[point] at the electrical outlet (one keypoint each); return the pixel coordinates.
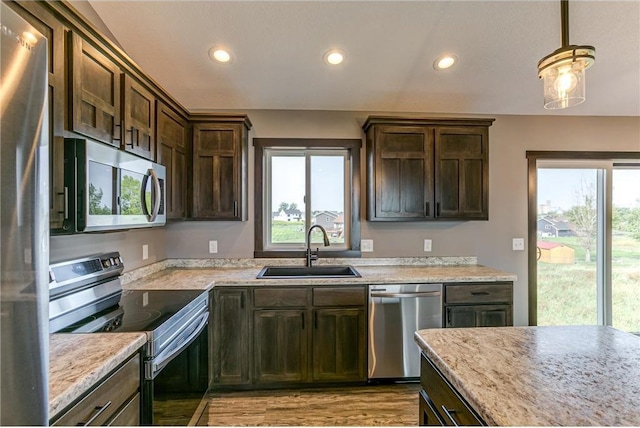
(427, 245)
(145, 252)
(518, 244)
(366, 245)
(213, 247)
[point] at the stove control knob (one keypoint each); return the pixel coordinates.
(117, 322)
(106, 263)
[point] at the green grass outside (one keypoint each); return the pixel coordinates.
(567, 292)
(285, 232)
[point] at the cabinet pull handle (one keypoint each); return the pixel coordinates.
(479, 293)
(66, 203)
(98, 411)
(448, 316)
(437, 209)
(426, 209)
(235, 208)
(449, 412)
(117, 135)
(302, 314)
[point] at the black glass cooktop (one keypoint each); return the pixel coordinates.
(137, 311)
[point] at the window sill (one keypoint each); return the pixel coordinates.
(302, 254)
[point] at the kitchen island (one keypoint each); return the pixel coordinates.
(532, 376)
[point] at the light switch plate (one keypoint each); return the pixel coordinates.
(518, 244)
(427, 245)
(366, 245)
(145, 252)
(213, 247)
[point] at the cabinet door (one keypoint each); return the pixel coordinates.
(171, 143)
(281, 345)
(218, 160)
(339, 344)
(462, 173)
(95, 89)
(402, 173)
(139, 118)
(479, 316)
(231, 338)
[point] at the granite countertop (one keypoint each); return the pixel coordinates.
(202, 275)
(78, 361)
(530, 376)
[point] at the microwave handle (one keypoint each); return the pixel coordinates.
(158, 198)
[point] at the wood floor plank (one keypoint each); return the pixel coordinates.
(380, 405)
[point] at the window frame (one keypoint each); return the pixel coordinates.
(353, 146)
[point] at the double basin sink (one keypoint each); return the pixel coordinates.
(303, 272)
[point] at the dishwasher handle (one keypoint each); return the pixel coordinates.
(408, 294)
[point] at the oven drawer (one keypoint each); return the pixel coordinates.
(109, 400)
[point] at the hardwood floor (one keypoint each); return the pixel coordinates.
(380, 405)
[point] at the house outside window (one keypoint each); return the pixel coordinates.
(301, 183)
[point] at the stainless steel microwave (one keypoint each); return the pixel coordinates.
(109, 189)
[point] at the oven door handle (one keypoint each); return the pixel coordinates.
(165, 357)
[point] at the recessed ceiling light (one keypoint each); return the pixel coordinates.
(445, 61)
(334, 57)
(220, 55)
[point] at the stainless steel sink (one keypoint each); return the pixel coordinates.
(297, 272)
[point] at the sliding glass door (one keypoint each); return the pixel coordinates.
(584, 245)
(625, 249)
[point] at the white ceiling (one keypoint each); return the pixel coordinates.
(390, 48)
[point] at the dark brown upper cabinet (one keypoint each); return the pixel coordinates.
(138, 106)
(94, 80)
(427, 169)
(400, 174)
(220, 175)
(172, 147)
(462, 172)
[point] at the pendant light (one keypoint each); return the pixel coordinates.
(562, 71)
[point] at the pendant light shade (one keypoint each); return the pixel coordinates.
(563, 71)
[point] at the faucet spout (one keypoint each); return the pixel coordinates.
(311, 256)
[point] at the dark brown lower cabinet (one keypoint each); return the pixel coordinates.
(280, 345)
(440, 403)
(276, 336)
(114, 400)
(488, 304)
(339, 350)
(479, 316)
(231, 348)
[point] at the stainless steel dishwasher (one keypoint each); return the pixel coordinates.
(395, 312)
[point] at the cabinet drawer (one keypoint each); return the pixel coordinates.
(129, 415)
(110, 395)
(444, 397)
(279, 297)
(334, 296)
(479, 293)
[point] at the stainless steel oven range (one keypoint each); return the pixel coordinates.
(86, 296)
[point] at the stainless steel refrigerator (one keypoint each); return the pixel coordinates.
(24, 218)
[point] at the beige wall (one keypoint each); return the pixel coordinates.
(490, 241)
(510, 137)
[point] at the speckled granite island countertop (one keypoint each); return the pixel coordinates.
(207, 273)
(78, 361)
(531, 376)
